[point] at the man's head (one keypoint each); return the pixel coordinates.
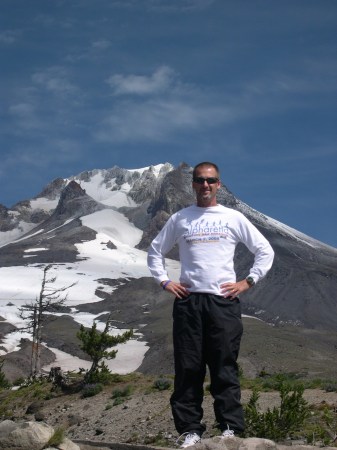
(206, 164)
(206, 183)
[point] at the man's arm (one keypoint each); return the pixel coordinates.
(263, 259)
(159, 247)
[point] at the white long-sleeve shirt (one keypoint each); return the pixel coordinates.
(207, 238)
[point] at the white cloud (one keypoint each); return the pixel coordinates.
(162, 5)
(158, 119)
(21, 109)
(25, 116)
(9, 36)
(158, 82)
(157, 106)
(306, 82)
(101, 44)
(181, 5)
(54, 80)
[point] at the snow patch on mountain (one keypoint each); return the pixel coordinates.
(44, 203)
(104, 193)
(129, 357)
(113, 225)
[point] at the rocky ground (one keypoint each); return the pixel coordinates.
(142, 416)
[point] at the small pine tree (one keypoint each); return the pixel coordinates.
(96, 345)
(277, 423)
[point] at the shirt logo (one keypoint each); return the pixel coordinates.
(206, 232)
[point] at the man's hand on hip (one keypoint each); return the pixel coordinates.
(234, 289)
(176, 289)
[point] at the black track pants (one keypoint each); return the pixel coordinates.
(207, 331)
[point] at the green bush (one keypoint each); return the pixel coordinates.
(57, 437)
(158, 440)
(90, 390)
(267, 381)
(322, 427)
(273, 382)
(120, 395)
(108, 406)
(124, 392)
(116, 378)
(277, 423)
(162, 384)
(330, 387)
(118, 401)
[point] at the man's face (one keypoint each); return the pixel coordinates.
(206, 192)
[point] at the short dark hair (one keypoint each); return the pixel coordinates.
(207, 164)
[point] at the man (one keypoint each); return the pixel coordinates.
(207, 325)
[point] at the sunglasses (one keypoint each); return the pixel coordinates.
(201, 180)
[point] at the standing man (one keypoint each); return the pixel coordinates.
(207, 325)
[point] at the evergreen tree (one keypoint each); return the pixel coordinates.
(98, 345)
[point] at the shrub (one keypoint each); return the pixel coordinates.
(277, 423)
(162, 384)
(120, 395)
(273, 382)
(330, 387)
(57, 437)
(118, 401)
(124, 392)
(89, 390)
(157, 440)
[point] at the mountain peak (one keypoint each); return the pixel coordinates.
(71, 191)
(74, 202)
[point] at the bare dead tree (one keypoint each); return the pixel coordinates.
(50, 299)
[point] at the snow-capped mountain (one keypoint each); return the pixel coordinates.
(95, 229)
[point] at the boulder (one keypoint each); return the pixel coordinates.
(236, 443)
(30, 436)
(67, 444)
(24, 436)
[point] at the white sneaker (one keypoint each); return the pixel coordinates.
(227, 433)
(190, 439)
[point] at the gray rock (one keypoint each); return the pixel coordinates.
(24, 436)
(74, 419)
(235, 443)
(30, 436)
(40, 416)
(34, 407)
(257, 444)
(6, 427)
(67, 444)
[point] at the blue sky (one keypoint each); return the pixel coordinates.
(250, 85)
